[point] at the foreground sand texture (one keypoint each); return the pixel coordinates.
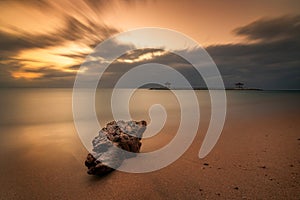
(257, 157)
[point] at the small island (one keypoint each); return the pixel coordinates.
(167, 86)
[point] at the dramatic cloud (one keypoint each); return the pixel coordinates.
(74, 30)
(138, 57)
(43, 43)
(265, 30)
(270, 60)
(25, 53)
(263, 62)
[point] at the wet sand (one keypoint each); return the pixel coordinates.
(257, 157)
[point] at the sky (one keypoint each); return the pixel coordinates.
(43, 43)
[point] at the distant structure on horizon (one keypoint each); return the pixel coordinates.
(239, 85)
(168, 85)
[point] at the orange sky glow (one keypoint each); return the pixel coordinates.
(207, 22)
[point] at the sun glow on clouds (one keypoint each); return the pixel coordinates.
(27, 75)
(143, 57)
(58, 58)
(149, 38)
(48, 40)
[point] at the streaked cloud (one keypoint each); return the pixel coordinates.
(57, 48)
(260, 62)
(269, 60)
(43, 43)
(272, 29)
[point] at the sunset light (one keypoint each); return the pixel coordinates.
(43, 38)
(149, 99)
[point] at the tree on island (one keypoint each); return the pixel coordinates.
(239, 85)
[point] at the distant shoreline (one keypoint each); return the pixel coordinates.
(238, 89)
(146, 88)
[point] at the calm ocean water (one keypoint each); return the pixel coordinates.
(44, 106)
(41, 152)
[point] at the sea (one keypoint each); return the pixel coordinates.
(29, 106)
(42, 152)
(165, 110)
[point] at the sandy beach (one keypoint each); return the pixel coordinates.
(257, 157)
